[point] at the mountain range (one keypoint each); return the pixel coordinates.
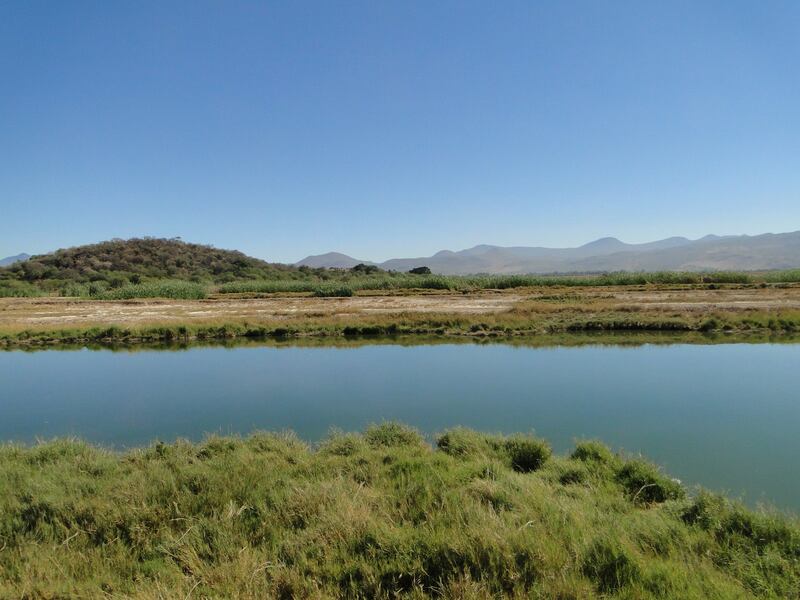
(10, 260)
(709, 253)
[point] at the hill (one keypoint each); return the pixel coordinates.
(119, 262)
(10, 260)
(710, 253)
(331, 260)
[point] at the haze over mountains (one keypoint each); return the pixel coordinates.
(710, 253)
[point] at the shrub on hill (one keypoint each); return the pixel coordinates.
(119, 263)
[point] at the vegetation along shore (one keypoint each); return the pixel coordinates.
(510, 313)
(149, 290)
(378, 515)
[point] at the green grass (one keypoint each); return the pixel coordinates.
(378, 515)
(182, 290)
(403, 281)
(777, 326)
(326, 282)
(18, 289)
(163, 288)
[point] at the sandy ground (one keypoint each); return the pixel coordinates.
(63, 311)
(54, 312)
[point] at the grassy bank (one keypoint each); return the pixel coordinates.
(524, 320)
(376, 515)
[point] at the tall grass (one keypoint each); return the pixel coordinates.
(183, 290)
(398, 281)
(378, 515)
(176, 289)
(18, 289)
(346, 283)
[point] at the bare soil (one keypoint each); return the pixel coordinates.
(68, 312)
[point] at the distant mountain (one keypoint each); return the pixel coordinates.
(710, 253)
(10, 260)
(331, 260)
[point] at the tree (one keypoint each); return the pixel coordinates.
(420, 271)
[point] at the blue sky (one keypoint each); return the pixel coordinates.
(396, 129)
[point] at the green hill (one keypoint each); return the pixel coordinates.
(117, 263)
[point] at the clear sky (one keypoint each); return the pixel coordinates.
(385, 129)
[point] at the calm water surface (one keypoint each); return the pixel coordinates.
(724, 416)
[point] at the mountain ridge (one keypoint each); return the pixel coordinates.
(708, 253)
(10, 260)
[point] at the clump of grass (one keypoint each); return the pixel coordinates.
(594, 452)
(526, 453)
(379, 515)
(340, 443)
(610, 565)
(522, 453)
(645, 483)
(573, 476)
(391, 434)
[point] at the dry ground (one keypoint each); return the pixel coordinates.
(34, 313)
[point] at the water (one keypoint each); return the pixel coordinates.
(724, 416)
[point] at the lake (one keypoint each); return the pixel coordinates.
(725, 416)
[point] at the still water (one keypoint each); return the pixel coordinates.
(724, 416)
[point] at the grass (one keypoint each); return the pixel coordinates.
(18, 289)
(524, 320)
(161, 288)
(346, 283)
(403, 281)
(374, 515)
(183, 290)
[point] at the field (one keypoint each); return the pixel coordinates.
(518, 311)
